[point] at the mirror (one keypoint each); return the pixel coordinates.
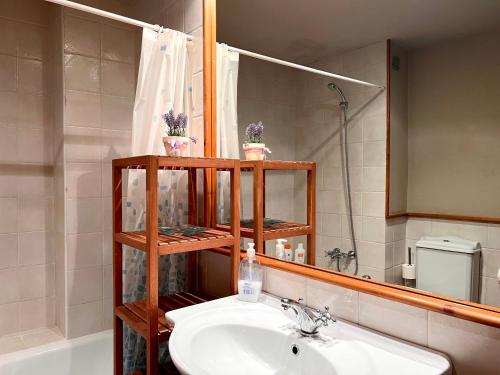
(431, 85)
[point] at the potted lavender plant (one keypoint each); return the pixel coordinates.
(176, 142)
(254, 148)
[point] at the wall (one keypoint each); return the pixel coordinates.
(453, 127)
(27, 271)
(473, 348)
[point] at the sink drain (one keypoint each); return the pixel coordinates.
(295, 349)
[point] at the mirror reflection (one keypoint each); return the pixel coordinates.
(415, 208)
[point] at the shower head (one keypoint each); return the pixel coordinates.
(332, 86)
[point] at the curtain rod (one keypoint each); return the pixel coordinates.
(302, 67)
(113, 16)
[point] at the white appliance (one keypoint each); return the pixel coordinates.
(449, 266)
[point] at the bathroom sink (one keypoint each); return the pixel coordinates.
(227, 336)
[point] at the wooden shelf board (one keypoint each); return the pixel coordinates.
(166, 162)
(171, 244)
(248, 165)
(134, 314)
(281, 230)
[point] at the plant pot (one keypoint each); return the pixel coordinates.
(254, 151)
(176, 146)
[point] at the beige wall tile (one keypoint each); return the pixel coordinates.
(374, 154)
(83, 180)
(9, 285)
(8, 143)
(33, 146)
(8, 250)
(41, 337)
(81, 215)
(84, 319)
(35, 214)
(342, 302)
(8, 73)
(8, 219)
(84, 285)
(8, 37)
(9, 319)
(82, 73)
(81, 36)
(285, 284)
(36, 281)
(117, 112)
(35, 248)
(473, 348)
(11, 344)
(33, 111)
(117, 44)
(37, 313)
(82, 109)
(82, 144)
(30, 78)
(118, 78)
(374, 204)
(84, 250)
(393, 318)
(32, 41)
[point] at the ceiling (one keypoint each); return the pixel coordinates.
(304, 31)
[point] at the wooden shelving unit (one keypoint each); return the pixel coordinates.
(259, 233)
(147, 317)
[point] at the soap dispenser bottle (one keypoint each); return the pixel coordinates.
(280, 248)
(250, 278)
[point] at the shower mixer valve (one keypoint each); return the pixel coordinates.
(337, 253)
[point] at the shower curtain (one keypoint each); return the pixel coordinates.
(227, 122)
(162, 85)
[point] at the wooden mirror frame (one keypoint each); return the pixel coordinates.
(483, 314)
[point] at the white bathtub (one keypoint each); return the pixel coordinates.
(92, 354)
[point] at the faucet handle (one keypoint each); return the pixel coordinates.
(326, 317)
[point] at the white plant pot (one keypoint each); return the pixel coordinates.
(176, 146)
(254, 151)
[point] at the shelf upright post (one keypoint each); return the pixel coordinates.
(258, 206)
(192, 276)
(311, 215)
(152, 265)
(117, 271)
(235, 176)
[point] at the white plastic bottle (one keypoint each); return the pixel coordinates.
(288, 252)
(280, 248)
(250, 278)
(300, 254)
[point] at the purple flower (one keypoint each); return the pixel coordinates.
(254, 132)
(176, 126)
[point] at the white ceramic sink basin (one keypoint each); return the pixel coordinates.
(230, 337)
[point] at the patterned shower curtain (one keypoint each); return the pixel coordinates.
(162, 84)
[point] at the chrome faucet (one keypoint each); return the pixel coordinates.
(309, 319)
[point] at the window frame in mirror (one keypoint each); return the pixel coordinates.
(479, 313)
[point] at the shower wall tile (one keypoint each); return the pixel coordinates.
(8, 37)
(117, 44)
(82, 109)
(116, 112)
(118, 78)
(8, 219)
(35, 214)
(8, 73)
(84, 250)
(8, 105)
(36, 281)
(34, 146)
(9, 318)
(8, 250)
(33, 111)
(82, 73)
(36, 248)
(84, 319)
(84, 285)
(81, 215)
(30, 76)
(83, 180)
(8, 144)
(32, 42)
(37, 313)
(81, 37)
(82, 144)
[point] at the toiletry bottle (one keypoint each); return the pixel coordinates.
(300, 253)
(288, 252)
(250, 278)
(280, 248)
